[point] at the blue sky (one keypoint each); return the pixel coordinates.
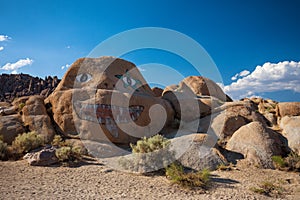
(43, 36)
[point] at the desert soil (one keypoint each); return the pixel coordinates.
(96, 181)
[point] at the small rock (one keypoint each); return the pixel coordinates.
(43, 157)
(106, 170)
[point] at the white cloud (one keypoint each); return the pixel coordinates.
(270, 77)
(1, 48)
(68, 47)
(65, 66)
(13, 67)
(14, 72)
(4, 38)
(241, 74)
(244, 73)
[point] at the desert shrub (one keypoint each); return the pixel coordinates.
(63, 153)
(293, 161)
(289, 163)
(3, 150)
(279, 162)
(175, 172)
(269, 189)
(149, 154)
(68, 153)
(66, 150)
(25, 142)
(147, 145)
(57, 141)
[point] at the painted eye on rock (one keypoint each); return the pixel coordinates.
(129, 81)
(83, 78)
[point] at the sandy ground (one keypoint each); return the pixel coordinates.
(96, 181)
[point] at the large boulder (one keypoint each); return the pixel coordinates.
(10, 127)
(194, 97)
(194, 151)
(188, 107)
(199, 86)
(258, 144)
(291, 130)
(36, 119)
(228, 118)
(61, 107)
(288, 109)
(107, 99)
(198, 153)
(202, 86)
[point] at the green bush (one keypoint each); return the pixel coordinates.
(289, 163)
(147, 145)
(68, 153)
(175, 172)
(269, 189)
(25, 142)
(279, 162)
(3, 150)
(57, 141)
(149, 154)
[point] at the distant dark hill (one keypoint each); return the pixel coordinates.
(18, 85)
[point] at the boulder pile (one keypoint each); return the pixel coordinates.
(17, 85)
(107, 101)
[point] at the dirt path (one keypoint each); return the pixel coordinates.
(20, 181)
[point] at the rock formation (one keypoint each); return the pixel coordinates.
(107, 104)
(97, 96)
(291, 130)
(17, 85)
(258, 144)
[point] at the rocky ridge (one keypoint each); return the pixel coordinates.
(13, 86)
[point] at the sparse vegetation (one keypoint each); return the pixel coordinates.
(149, 154)
(279, 162)
(57, 141)
(25, 142)
(67, 151)
(269, 189)
(147, 145)
(289, 163)
(175, 172)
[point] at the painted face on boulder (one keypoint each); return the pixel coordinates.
(108, 100)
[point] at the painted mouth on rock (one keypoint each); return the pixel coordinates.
(107, 114)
